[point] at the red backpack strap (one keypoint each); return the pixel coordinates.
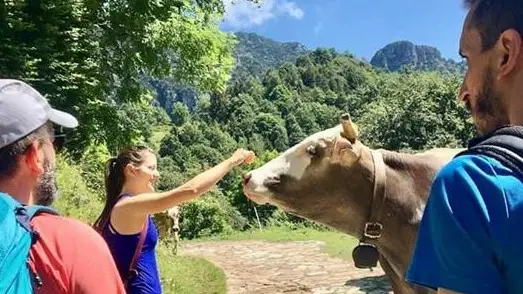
(132, 267)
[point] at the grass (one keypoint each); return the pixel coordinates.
(194, 275)
(188, 274)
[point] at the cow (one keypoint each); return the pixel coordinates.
(375, 195)
(168, 224)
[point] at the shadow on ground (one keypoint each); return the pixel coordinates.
(374, 285)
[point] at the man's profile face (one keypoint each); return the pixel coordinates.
(46, 189)
(479, 90)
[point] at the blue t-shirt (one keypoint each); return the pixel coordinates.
(470, 238)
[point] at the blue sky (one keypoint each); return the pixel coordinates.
(359, 26)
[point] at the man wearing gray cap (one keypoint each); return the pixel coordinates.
(69, 256)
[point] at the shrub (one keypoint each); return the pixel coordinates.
(75, 198)
(209, 215)
(92, 167)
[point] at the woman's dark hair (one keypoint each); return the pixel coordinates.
(115, 179)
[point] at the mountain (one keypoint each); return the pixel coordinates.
(255, 54)
(398, 55)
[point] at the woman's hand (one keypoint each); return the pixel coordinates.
(242, 156)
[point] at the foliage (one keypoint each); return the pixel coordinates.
(180, 114)
(209, 215)
(93, 58)
(419, 110)
(92, 165)
(76, 199)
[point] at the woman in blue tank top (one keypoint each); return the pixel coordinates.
(130, 202)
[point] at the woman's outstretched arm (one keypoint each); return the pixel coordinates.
(128, 215)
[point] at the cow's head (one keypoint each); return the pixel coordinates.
(174, 215)
(168, 222)
(328, 170)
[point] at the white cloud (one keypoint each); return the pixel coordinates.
(292, 9)
(244, 14)
(318, 27)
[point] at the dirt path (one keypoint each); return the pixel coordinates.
(257, 267)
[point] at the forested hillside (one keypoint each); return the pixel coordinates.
(398, 111)
(253, 55)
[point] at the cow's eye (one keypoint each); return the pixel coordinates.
(311, 150)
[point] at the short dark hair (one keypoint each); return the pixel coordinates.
(9, 154)
(493, 17)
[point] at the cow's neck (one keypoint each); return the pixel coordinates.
(346, 209)
(408, 179)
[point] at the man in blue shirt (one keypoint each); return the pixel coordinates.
(470, 240)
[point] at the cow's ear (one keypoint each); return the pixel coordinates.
(345, 152)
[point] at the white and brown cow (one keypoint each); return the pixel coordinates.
(168, 224)
(330, 178)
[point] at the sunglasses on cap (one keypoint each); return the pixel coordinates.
(58, 141)
(57, 138)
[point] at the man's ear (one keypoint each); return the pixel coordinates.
(509, 53)
(32, 160)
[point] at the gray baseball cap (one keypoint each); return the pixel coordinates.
(23, 110)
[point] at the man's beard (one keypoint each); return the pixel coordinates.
(46, 190)
(488, 112)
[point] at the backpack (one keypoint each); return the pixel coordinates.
(16, 239)
(505, 144)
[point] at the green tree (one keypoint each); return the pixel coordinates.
(294, 130)
(279, 92)
(190, 133)
(180, 114)
(271, 80)
(272, 128)
(290, 76)
(419, 111)
(235, 193)
(91, 57)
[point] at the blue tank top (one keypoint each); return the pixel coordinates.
(122, 248)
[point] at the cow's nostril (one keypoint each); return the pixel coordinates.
(272, 181)
(246, 178)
